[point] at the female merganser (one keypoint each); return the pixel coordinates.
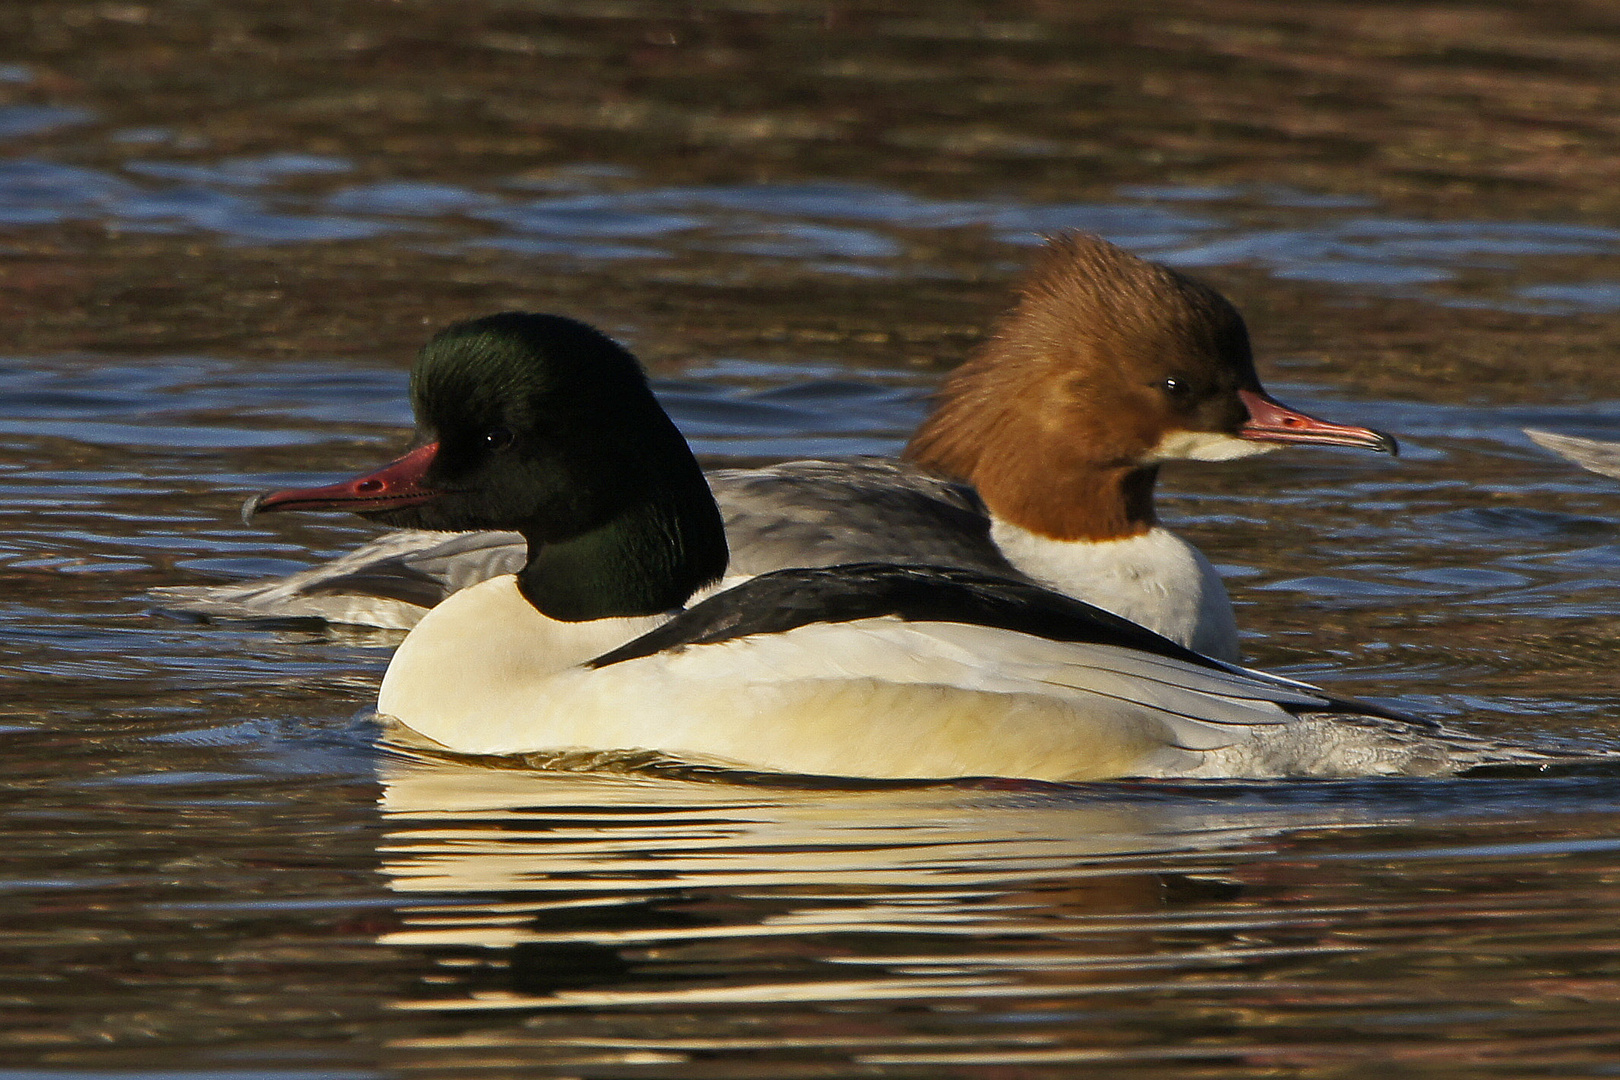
(1107, 366)
(541, 425)
(1594, 454)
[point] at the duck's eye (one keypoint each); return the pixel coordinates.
(497, 438)
(1176, 389)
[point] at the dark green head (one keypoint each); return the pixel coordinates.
(541, 425)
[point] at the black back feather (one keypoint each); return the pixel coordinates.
(786, 599)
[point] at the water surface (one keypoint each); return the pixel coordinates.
(221, 237)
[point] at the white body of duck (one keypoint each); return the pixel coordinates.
(485, 673)
(1107, 366)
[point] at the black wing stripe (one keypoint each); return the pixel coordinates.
(787, 599)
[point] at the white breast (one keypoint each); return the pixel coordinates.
(1156, 579)
(468, 656)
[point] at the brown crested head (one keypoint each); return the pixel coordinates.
(1063, 415)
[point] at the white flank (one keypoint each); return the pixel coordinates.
(485, 673)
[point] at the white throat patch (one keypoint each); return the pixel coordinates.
(1204, 446)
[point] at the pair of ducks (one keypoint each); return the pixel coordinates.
(1000, 602)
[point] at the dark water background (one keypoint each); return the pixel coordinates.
(224, 228)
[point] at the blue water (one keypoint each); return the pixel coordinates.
(833, 228)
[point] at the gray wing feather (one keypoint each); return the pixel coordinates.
(390, 582)
(798, 513)
(1594, 454)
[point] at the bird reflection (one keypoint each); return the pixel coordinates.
(604, 919)
(550, 890)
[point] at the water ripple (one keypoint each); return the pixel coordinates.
(830, 228)
(20, 120)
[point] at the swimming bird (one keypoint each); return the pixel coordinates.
(1039, 461)
(611, 637)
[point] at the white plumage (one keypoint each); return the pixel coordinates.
(484, 673)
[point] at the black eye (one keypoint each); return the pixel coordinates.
(1176, 389)
(497, 438)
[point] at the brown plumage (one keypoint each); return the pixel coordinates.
(1092, 323)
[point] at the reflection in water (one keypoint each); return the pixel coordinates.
(766, 907)
(630, 920)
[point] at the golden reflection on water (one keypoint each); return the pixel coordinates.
(635, 920)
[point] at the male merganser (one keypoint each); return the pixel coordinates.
(541, 425)
(1107, 366)
(1594, 454)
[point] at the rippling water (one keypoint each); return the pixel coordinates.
(839, 228)
(214, 869)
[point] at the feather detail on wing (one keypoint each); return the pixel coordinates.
(798, 513)
(866, 509)
(389, 582)
(1594, 454)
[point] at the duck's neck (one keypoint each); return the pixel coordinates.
(997, 426)
(1091, 504)
(648, 560)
